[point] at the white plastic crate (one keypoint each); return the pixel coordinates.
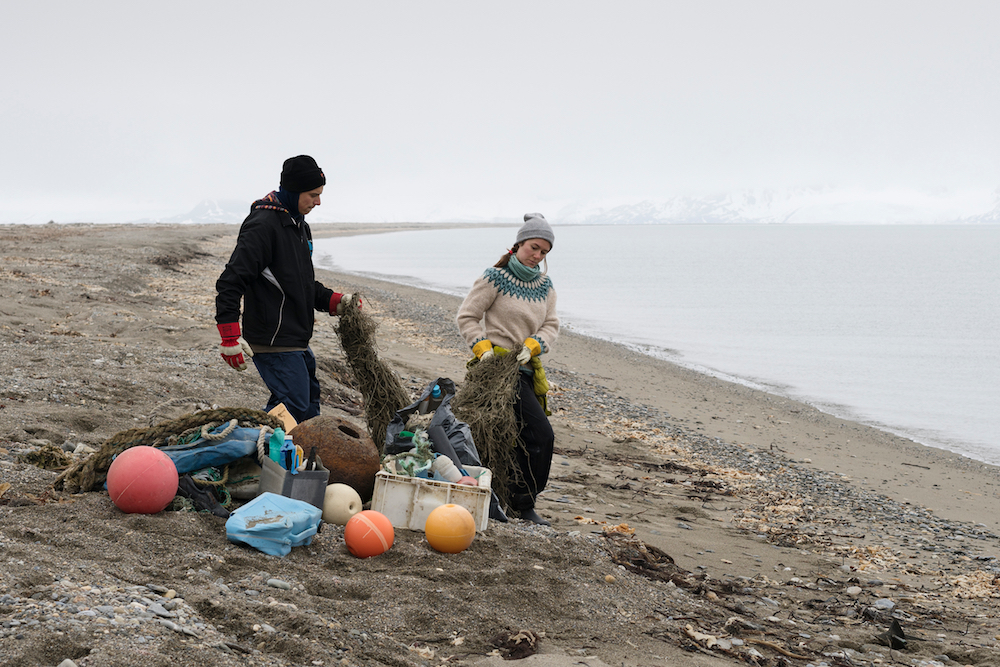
(408, 501)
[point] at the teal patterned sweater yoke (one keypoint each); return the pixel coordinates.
(506, 310)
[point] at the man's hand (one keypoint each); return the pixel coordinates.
(339, 301)
(233, 346)
(483, 350)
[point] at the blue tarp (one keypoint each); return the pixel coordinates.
(205, 453)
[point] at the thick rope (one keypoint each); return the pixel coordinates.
(91, 473)
(206, 430)
(262, 440)
(214, 482)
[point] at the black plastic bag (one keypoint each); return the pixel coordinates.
(458, 432)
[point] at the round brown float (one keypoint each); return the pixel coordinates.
(347, 451)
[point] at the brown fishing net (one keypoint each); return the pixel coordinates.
(380, 387)
(90, 473)
(485, 401)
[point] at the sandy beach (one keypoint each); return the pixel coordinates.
(694, 521)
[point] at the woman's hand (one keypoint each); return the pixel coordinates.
(483, 349)
(524, 355)
(531, 348)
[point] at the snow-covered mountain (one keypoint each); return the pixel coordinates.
(992, 216)
(803, 205)
(209, 211)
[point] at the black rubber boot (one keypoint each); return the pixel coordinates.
(531, 515)
(524, 505)
(496, 512)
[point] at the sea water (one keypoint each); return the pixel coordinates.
(896, 326)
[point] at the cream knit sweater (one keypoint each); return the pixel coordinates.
(506, 310)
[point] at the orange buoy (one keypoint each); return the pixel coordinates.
(368, 533)
(450, 528)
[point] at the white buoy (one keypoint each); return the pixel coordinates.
(340, 503)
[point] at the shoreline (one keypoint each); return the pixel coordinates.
(806, 434)
(816, 404)
(887, 437)
(960, 429)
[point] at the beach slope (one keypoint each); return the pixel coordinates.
(694, 521)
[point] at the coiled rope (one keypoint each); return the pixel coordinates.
(91, 473)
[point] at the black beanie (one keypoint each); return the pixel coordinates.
(301, 174)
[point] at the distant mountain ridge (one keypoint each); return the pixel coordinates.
(762, 206)
(208, 211)
(794, 206)
(986, 218)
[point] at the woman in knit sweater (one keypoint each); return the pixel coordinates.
(513, 306)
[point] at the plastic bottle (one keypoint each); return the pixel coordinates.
(274, 445)
(288, 456)
(431, 403)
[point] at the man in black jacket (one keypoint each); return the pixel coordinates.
(271, 269)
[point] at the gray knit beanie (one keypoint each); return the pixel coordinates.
(536, 227)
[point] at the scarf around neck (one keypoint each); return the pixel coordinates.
(275, 201)
(520, 271)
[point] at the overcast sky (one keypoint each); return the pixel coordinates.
(421, 110)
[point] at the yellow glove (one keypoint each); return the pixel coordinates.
(531, 349)
(483, 350)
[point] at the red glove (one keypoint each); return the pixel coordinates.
(339, 301)
(233, 346)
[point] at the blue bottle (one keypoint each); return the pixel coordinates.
(431, 403)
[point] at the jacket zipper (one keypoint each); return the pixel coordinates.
(281, 308)
(274, 281)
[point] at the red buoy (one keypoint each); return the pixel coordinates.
(142, 480)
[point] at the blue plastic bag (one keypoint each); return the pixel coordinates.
(274, 524)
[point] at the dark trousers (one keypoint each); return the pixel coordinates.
(533, 455)
(291, 377)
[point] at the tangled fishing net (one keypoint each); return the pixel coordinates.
(380, 387)
(93, 471)
(485, 402)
